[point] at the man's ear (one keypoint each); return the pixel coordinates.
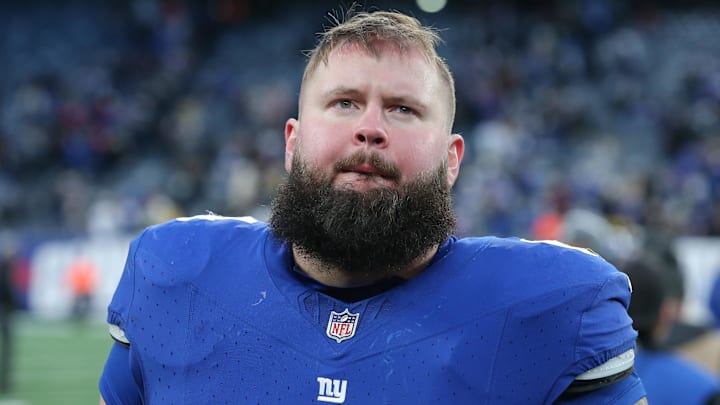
(456, 150)
(291, 129)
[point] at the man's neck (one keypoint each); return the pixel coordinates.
(335, 277)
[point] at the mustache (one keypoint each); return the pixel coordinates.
(385, 169)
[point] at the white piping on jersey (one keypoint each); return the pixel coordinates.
(616, 365)
(214, 217)
(118, 334)
(563, 245)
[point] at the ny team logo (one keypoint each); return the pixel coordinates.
(342, 325)
(332, 391)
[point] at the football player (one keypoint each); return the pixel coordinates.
(356, 292)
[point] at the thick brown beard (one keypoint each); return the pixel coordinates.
(371, 232)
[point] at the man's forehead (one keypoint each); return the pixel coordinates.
(410, 61)
(408, 75)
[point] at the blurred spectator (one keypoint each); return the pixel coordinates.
(7, 306)
(82, 278)
(667, 377)
(715, 300)
(701, 343)
(696, 342)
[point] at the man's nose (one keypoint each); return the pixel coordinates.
(371, 130)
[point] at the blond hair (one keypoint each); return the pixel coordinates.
(371, 31)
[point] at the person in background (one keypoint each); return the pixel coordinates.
(82, 278)
(7, 306)
(698, 342)
(668, 378)
(356, 291)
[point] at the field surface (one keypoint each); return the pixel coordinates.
(56, 362)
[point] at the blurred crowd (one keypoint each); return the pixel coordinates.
(592, 119)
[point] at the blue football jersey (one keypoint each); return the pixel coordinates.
(214, 312)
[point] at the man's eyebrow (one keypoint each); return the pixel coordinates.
(342, 91)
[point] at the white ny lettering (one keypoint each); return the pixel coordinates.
(332, 390)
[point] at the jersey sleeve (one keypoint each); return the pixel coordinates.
(120, 384)
(606, 328)
(121, 302)
(150, 308)
(605, 334)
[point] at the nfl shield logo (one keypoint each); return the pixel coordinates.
(342, 325)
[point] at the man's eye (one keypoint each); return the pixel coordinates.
(403, 109)
(344, 104)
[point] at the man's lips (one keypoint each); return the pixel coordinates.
(368, 165)
(366, 169)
